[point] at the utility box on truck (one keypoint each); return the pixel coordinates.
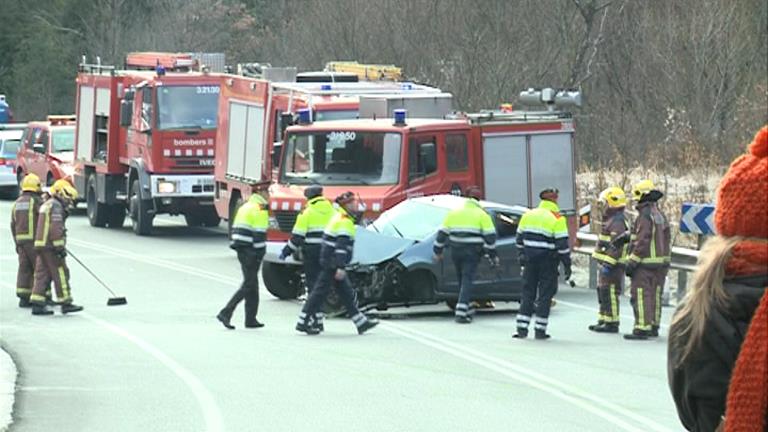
(422, 105)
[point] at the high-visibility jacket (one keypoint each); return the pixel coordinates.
(543, 232)
(51, 231)
(469, 225)
(311, 222)
(650, 237)
(249, 229)
(338, 240)
(24, 214)
(613, 240)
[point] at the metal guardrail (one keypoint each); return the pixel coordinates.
(683, 259)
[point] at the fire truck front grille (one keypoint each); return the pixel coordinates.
(286, 219)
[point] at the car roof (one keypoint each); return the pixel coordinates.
(451, 201)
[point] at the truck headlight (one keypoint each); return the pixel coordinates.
(166, 187)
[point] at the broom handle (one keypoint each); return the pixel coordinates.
(90, 272)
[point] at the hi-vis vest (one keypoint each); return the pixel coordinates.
(543, 231)
(50, 231)
(311, 222)
(469, 225)
(24, 214)
(249, 230)
(338, 240)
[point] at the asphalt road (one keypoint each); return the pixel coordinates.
(163, 363)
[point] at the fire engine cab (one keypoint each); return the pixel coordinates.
(511, 155)
(254, 113)
(145, 141)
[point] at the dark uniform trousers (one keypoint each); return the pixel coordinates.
(609, 289)
(250, 261)
(540, 276)
(645, 291)
(26, 272)
(312, 268)
(50, 266)
(465, 261)
(326, 281)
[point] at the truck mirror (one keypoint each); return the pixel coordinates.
(126, 112)
(129, 95)
(276, 151)
(286, 119)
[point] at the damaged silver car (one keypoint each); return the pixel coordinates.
(392, 262)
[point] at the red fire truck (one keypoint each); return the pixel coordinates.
(511, 155)
(253, 115)
(145, 141)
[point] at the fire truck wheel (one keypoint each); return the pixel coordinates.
(141, 218)
(282, 281)
(116, 216)
(209, 218)
(97, 212)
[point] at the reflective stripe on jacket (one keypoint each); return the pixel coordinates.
(611, 249)
(51, 231)
(311, 223)
(338, 240)
(249, 230)
(469, 225)
(650, 237)
(24, 214)
(543, 231)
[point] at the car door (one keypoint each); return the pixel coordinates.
(26, 152)
(504, 281)
(39, 159)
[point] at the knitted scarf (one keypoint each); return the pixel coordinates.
(749, 257)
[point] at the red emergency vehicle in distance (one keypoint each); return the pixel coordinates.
(47, 149)
(253, 115)
(145, 142)
(510, 155)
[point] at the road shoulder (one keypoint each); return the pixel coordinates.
(8, 374)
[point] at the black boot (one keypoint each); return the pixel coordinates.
(605, 327)
(307, 328)
(638, 335)
(463, 320)
(24, 302)
(224, 318)
(70, 308)
(40, 309)
(655, 331)
(542, 334)
(521, 333)
(254, 323)
(367, 325)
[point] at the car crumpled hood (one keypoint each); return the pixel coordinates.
(373, 248)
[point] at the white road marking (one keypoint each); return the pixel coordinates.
(594, 309)
(586, 401)
(211, 413)
(597, 406)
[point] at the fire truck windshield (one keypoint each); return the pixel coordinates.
(187, 107)
(342, 158)
(63, 140)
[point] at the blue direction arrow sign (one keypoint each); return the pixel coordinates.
(698, 219)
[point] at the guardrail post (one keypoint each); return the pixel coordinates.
(592, 273)
(682, 284)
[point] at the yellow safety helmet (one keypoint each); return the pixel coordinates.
(613, 197)
(642, 188)
(31, 183)
(63, 189)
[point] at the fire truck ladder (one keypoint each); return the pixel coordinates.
(95, 68)
(369, 72)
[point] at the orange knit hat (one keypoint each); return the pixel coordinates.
(742, 207)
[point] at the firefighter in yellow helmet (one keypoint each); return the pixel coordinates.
(611, 255)
(542, 243)
(50, 244)
(648, 260)
(469, 232)
(24, 214)
(248, 238)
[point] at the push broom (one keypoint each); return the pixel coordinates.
(112, 301)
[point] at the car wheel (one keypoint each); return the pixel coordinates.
(97, 212)
(282, 281)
